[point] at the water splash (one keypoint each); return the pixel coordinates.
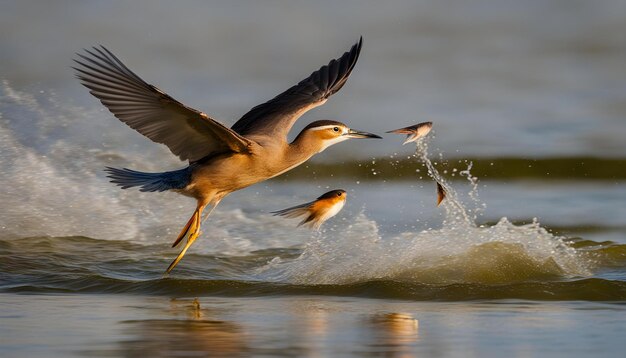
(459, 252)
(52, 155)
(456, 212)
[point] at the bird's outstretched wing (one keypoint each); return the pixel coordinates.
(275, 117)
(189, 134)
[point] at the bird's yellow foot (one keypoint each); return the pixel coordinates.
(191, 231)
(192, 237)
(191, 226)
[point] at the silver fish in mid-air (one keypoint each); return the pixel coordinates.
(414, 132)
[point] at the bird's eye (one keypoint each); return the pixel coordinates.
(336, 129)
(338, 194)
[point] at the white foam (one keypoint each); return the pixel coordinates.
(458, 252)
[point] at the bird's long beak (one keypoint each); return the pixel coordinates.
(358, 134)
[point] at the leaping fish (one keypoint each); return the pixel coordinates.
(318, 211)
(414, 132)
(441, 193)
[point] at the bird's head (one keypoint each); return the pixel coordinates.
(324, 133)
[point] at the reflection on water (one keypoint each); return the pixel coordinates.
(194, 333)
(168, 338)
(394, 334)
(301, 326)
(310, 328)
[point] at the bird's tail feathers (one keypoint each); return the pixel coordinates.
(128, 178)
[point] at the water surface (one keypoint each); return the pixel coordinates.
(313, 326)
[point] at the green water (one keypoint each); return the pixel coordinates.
(403, 168)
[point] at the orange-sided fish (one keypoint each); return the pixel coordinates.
(318, 211)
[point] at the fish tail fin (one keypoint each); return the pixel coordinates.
(294, 211)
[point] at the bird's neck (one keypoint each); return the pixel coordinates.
(301, 149)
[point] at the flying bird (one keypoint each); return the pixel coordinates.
(221, 160)
(318, 211)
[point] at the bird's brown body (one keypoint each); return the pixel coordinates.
(221, 159)
(213, 179)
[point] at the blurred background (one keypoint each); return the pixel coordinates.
(531, 79)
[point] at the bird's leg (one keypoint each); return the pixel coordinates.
(188, 228)
(191, 238)
(192, 231)
(206, 216)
